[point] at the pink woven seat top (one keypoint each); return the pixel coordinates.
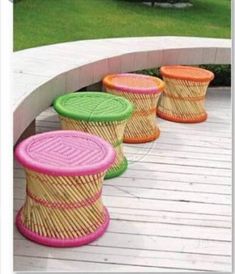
(65, 153)
(134, 83)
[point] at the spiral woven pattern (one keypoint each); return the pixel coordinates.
(93, 106)
(65, 153)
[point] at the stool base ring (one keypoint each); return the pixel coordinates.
(54, 242)
(178, 119)
(144, 139)
(114, 172)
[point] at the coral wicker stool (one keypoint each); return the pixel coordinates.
(143, 91)
(64, 175)
(184, 95)
(100, 114)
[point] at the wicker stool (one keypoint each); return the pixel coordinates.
(64, 175)
(100, 114)
(184, 95)
(143, 91)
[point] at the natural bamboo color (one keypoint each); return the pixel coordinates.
(183, 98)
(142, 126)
(111, 131)
(63, 207)
(183, 101)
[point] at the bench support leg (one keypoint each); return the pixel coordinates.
(95, 87)
(29, 131)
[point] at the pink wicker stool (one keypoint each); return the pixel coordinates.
(64, 175)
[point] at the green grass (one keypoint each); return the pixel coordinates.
(42, 22)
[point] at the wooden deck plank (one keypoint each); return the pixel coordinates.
(170, 211)
(116, 265)
(129, 257)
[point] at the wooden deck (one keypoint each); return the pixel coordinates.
(170, 211)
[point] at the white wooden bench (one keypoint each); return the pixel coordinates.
(43, 73)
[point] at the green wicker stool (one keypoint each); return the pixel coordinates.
(98, 113)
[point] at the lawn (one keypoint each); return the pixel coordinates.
(42, 22)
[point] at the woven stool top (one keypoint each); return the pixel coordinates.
(93, 106)
(187, 73)
(65, 153)
(134, 83)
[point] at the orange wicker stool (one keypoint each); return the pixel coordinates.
(143, 91)
(184, 95)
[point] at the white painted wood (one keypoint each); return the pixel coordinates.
(72, 264)
(166, 205)
(40, 74)
(129, 257)
(169, 218)
(170, 211)
(158, 243)
(170, 185)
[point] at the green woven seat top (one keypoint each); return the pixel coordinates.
(93, 106)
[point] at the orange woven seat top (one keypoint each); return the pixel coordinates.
(134, 83)
(187, 73)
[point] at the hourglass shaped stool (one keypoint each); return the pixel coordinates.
(184, 95)
(98, 113)
(143, 91)
(64, 175)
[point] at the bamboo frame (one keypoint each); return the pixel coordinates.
(111, 131)
(142, 126)
(63, 207)
(183, 100)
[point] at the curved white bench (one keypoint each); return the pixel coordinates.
(43, 73)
